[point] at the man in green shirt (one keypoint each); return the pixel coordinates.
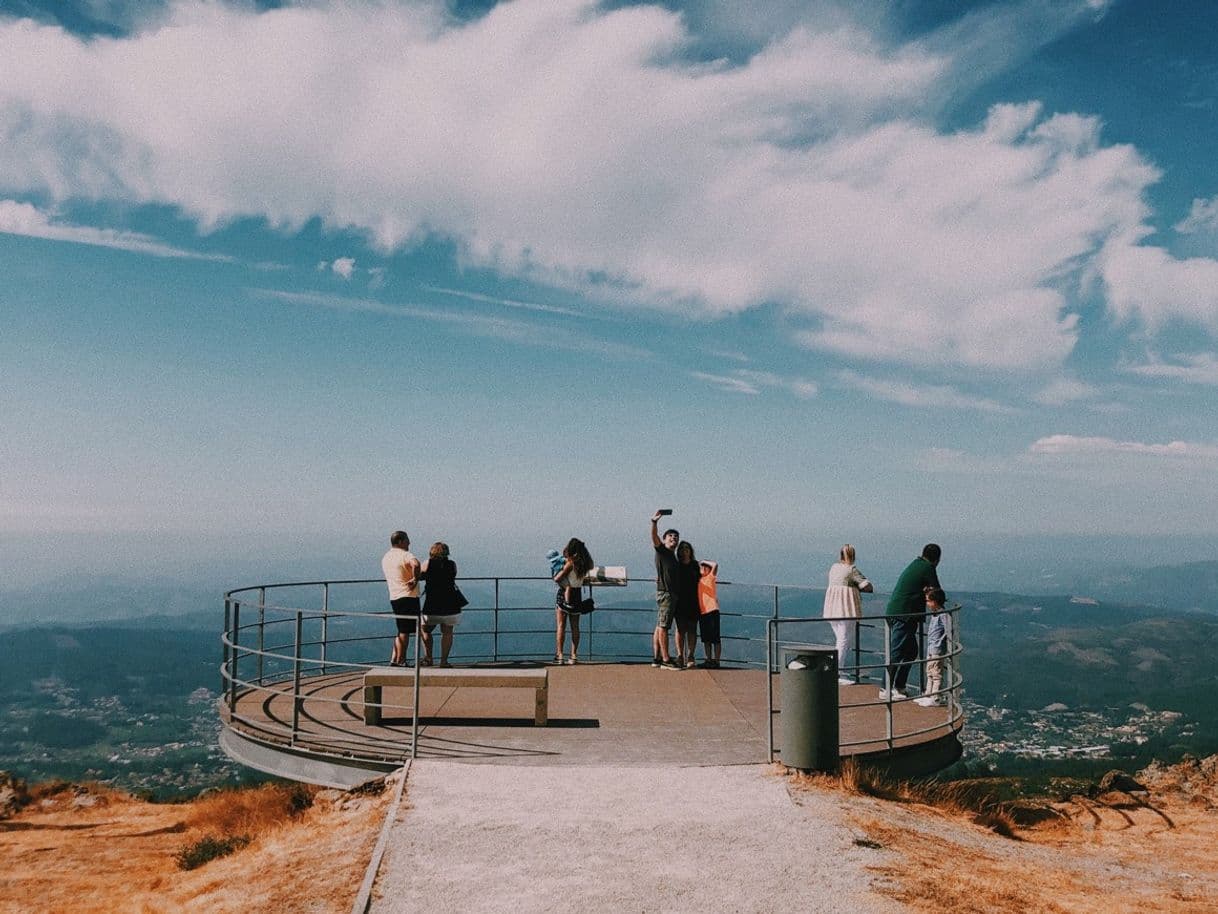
(906, 607)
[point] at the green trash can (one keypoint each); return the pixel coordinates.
(809, 709)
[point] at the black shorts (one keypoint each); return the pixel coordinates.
(406, 614)
(709, 624)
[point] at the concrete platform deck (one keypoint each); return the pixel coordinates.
(600, 713)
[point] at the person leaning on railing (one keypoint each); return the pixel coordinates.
(844, 606)
(906, 608)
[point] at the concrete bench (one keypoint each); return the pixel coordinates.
(376, 679)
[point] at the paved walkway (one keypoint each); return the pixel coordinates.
(588, 838)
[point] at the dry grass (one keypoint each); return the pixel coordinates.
(1114, 852)
(959, 798)
(114, 853)
(251, 812)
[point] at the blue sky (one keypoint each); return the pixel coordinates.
(280, 278)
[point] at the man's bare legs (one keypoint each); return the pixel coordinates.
(659, 644)
(400, 643)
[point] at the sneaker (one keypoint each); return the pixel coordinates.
(669, 665)
(927, 701)
(655, 661)
(894, 695)
(574, 660)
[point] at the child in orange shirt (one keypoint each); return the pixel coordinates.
(708, 610)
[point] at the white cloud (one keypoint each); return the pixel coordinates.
(343, 266)
(920, 396)
(1203, 217)
(505, 302)
(17, 218)
(572, 144)
(506, 329)
(1200, 368)
(1068, 445)
(1147, 283)
(729, 383)
(1060, 391)
(748, 381)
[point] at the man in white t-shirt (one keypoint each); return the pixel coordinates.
(402, 577)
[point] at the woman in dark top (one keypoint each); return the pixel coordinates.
(441, 602)
(688, 575)
(577, 562)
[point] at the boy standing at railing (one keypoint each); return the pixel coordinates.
(938, 635)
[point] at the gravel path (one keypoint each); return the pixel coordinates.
(529, 838)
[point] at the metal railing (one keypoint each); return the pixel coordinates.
(879, 672)
(266, 645)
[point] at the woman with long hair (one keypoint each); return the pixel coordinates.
(577, 562)
(688, 575)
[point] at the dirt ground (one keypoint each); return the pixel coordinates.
(1116, 851)
(94, 851)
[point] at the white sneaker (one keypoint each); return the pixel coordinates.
(894, 695)
(927, 701)
(843, 681)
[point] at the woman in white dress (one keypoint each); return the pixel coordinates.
(843, 606)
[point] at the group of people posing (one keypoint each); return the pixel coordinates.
(686, 596)
(916, 597)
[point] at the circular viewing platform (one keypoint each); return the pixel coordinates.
(295, 704)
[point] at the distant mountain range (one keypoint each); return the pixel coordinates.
(1183, 587)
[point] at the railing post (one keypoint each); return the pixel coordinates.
(325, 623)
(922, 654)
(414, 725)
(224, 670)
(236, 655)
(953, 667)
(588, 633)
(857, 651)
(296, 699)
(495, 625)
(771, 628)
(888, 684)
(261, 630)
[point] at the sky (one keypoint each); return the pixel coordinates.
(279, 278)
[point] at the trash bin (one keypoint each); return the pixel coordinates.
(809, 709)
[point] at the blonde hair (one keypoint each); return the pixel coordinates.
(847, 554)
(439, 550)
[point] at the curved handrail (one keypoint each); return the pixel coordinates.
(278, 663)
